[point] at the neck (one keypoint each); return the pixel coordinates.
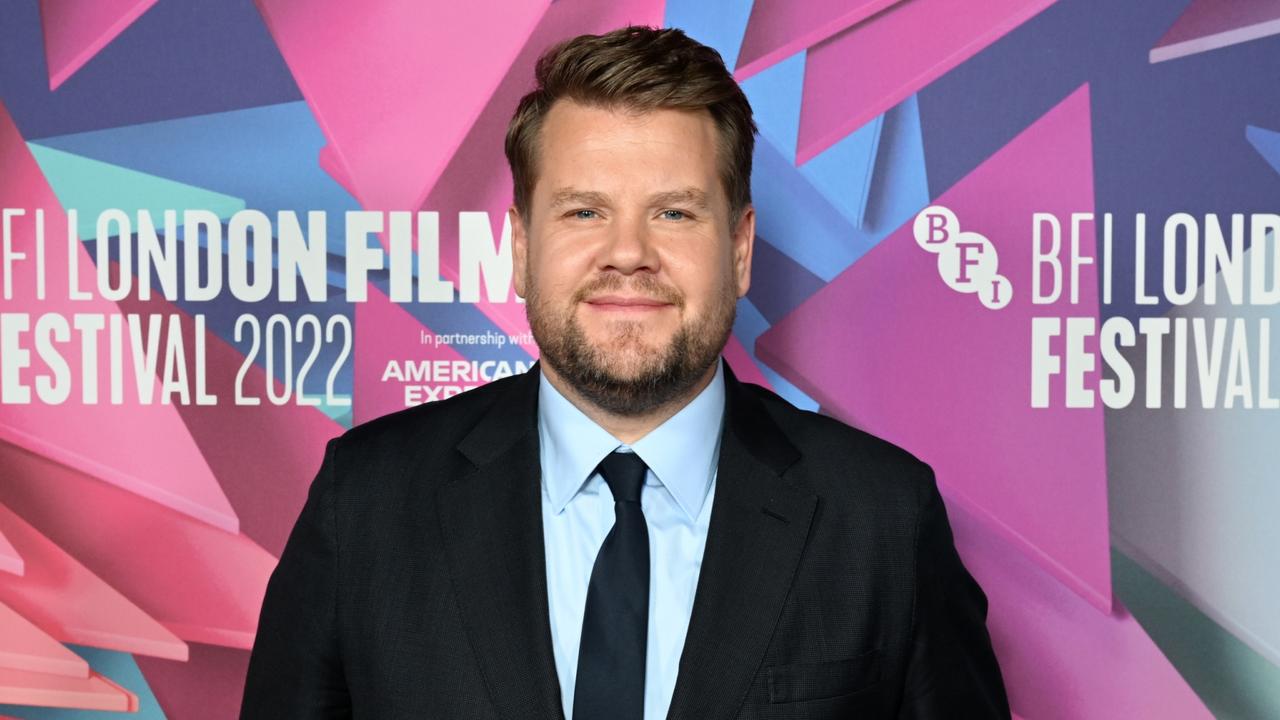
(627, 428)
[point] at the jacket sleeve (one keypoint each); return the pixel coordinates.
(952, 670)
(295, 670)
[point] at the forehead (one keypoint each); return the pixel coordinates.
(604, 145)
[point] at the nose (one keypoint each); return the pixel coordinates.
(629, 248)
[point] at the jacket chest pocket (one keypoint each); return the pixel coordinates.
(796, 682)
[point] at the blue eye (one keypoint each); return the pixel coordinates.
(584, 214)
(673, 214)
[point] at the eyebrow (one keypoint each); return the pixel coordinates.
(570, 196)
(684, 196)
(690, 196)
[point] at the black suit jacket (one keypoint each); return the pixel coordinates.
(414, 585)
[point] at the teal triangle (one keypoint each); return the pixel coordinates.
(340, 414)
(91, 186)
(118, 667)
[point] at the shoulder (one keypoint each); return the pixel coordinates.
(394, 464)
(840, 461)
(437, 425)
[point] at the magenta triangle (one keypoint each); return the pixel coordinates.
(888, 347)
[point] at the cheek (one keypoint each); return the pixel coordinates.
(702, 279)
(555, 275)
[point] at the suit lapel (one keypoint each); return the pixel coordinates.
(492, 526)
(759, 523)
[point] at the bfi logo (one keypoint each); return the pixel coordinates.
(967, 261)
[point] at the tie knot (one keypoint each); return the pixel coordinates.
(624, 472)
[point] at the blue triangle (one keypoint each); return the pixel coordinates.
(1267, 143)
(718, 23)
(901, 186)
(798, 219)
(844, 171)
(775, 95)
(266, 155)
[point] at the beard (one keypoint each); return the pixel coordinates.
(625, 374)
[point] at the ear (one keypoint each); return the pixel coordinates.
(743, 242)
(519, 250)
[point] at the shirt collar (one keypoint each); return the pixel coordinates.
(682, 452)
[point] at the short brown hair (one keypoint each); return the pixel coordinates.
(640, 69)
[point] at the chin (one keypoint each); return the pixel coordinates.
(628, 336)
(629, 362)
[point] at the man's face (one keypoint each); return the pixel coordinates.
(627, 260)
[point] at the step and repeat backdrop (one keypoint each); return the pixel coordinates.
(1032, 241)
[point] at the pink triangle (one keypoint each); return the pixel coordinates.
(96, 692)
(395, 86)
(76, 31)
(143, 448)
(779, 29)
(209, 685)
(10, 560)
(67, 600)
(1061, 659)
(203, 584)
(744, 367)
(266, 455)
(865, 70)
(477, 178)
(1211, 24)
(23, 646)
(890, 348)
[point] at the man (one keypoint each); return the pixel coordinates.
(626, 531)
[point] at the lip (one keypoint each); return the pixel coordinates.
(626, 303)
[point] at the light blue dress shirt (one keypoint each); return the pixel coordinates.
(577, 513)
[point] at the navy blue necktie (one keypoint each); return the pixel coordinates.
(615, 624)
